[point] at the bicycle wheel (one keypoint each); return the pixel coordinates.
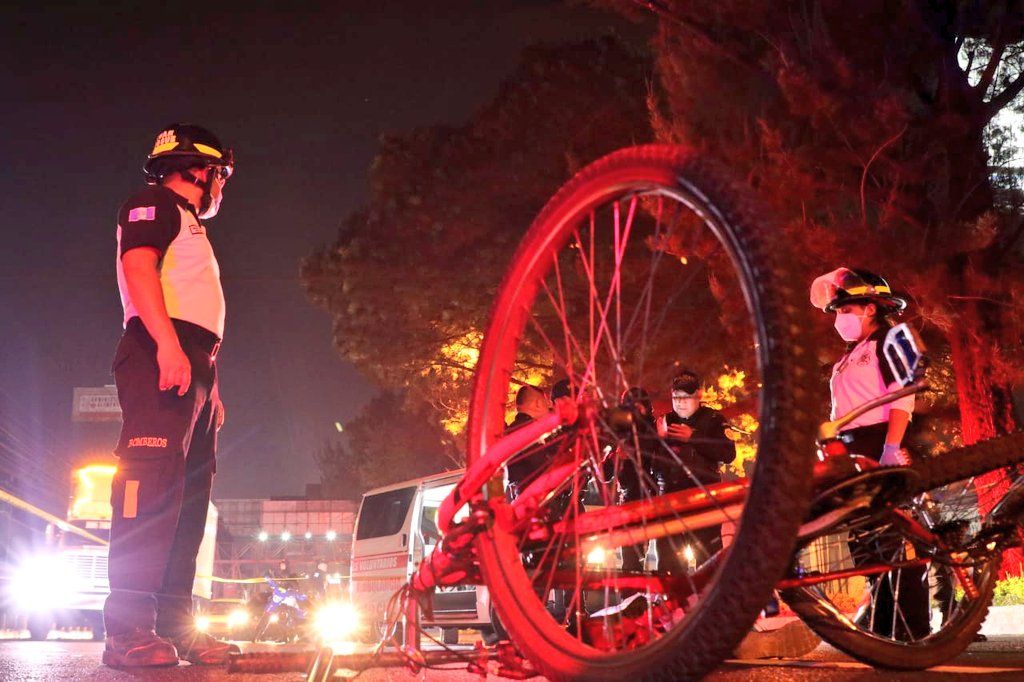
(903, 599)
(646, 261)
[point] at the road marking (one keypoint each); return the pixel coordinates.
(854, 665)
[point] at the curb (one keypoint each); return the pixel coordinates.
(1004, 620)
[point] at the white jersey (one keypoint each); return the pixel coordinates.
(189, 273)
(862, 375)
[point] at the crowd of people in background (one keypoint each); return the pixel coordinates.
(684, 447)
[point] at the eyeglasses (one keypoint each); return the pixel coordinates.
(222, 173)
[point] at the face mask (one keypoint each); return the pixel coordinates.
(849, 326)
(207, 206)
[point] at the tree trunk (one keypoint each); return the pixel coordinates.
(986, 405)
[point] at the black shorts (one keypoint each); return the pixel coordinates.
(867, 441)
(157, 423)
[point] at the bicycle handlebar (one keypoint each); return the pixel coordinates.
(830, 430)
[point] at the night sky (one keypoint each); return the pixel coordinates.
(301, 91)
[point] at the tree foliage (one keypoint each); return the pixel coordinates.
(411, 277)
(866, 126)
(388, 442)
(340, 477)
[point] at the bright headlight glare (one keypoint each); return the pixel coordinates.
(336, 621)
(237, 618)
(202, 623)
(42, 583)
(596, 556)
(274, 618)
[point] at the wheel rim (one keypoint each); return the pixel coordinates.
(619, 256)
(932, 595)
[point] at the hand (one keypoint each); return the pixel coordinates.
(680, 432)
(175, 369)
(661, 425)
(894, 456)
(219, 414)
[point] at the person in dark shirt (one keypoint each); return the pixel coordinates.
(697, 435)
(531, 404)
(633, 471)
(695, 447)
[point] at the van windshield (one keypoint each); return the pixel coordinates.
(384, 513)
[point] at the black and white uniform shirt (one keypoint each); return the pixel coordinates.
(189, 274)
(862, 375)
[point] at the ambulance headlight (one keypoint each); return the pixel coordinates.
(336, 621)
(238, 618)
(42, 582)
(598, 556)
(202, 623)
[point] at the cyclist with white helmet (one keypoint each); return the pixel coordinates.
(864, 305)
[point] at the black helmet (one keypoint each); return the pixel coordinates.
(637, 397)
(843, 286)
(563, 389)
(182, 145)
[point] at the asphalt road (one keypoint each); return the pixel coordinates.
(1001, 658)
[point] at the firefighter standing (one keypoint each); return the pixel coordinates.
(166, 377)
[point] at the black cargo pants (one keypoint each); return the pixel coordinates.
(900, 608)
(161, 491)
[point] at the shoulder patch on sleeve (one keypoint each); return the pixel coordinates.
(142, 213)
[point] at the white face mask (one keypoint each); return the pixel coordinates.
(849, 326)
(210, 205)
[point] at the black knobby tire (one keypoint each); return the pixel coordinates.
(777, 501)
(956, 633)
(966, 462)
(941, 646)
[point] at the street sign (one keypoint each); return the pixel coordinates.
(95, 404)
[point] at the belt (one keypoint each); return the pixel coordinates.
(189, 334)
(197, 336)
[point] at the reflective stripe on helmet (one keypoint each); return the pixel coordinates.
(206, 149)
(868, 289)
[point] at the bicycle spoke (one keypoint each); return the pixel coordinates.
(611, 316)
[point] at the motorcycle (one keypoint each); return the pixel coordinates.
(283, 615)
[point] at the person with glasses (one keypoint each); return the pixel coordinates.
(166, 375)
(696, 446)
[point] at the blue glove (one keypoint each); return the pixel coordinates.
(894, 456)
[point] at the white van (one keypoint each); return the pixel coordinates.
(396, 527)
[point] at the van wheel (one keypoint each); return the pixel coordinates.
(39, 625)
(449, 635)
(498, 632)
(95, 621)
